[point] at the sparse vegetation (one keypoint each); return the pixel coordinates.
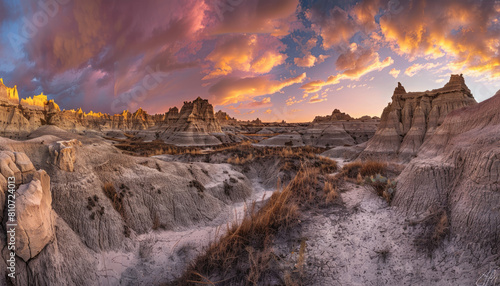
(435, 229)
(371, 173)
(244, 252)
(382, 186)
(367, 168)
(116, 198)
(199, 186)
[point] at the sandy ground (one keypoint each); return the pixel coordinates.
(161, 256)
(372, 244)
(364, 242)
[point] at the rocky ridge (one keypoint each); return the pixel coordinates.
(457, 171)
(412, 117)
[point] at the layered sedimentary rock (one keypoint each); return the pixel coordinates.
(458, 170)
(224, 119)
(196, 125)
(78, 120)
(336, 116)
(196, 116)
(40, 102)
(8, 95)
(63, 154)
(34, 216)
(171, 116)
(35, 228)
(412, 117)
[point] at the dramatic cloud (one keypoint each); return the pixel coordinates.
(394, 72)
(309, 60)
(353, 64)
(467, 30)
(335, 27)
(245, 53)
(359, 61)
(259, 16)
(107, 55)
(415, 68)
(316, 99)
(233, 90)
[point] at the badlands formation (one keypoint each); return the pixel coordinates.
(412, 117)
(192, 196)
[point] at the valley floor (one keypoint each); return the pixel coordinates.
(371, 244)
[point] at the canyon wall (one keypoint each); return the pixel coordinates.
(412, 117)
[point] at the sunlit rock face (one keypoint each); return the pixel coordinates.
(35, 228)
(412, 117)
(196, 125)
(34, 216)
(196, 116)
(458, 169)
(8, 95)
(336, 116)
(224, 119)
(63, 154)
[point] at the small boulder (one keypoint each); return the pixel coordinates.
(35, 222)
(63, 154)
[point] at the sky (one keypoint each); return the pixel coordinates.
(270, 59)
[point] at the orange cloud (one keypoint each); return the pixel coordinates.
(467, 31)
(335, 28)
(309, 60)
(415, 68)
(394, 72)
(359, 61)
(317, 100)
(291, 101)
(233, 90)
(259, 16)
(244, 53)
(353, 64)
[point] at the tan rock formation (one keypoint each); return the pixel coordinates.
(336, 116)
(8, 95)
(196, 116)
(412, 117)
(196, 125)
(457, 170)
(63, 154)
(224, 119)
(35, 220)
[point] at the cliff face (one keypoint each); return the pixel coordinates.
(8, 95)
(458, 170)
(196, 125)
(336, 116)
(412, 117)
(196, 116)
(224, 119)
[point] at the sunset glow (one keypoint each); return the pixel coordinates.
(273, 59)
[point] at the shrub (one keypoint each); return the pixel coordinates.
(196, 184)
(116, 199)
(435, 229)
(328, 165)
(351, 170)
(382, 186)
(331, 192)
(367, 168)
(371, 168)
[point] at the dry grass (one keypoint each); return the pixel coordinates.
(331, 192)
(372, 168)
(116, 198)
(364, 169)
(435, 229)
(243, 255)
(351, 170)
